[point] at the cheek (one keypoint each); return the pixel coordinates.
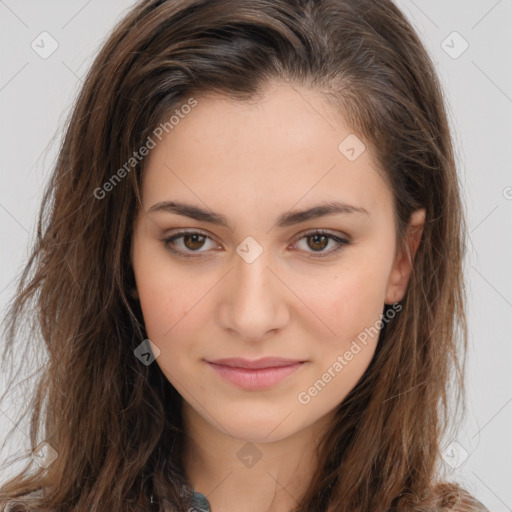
(165, 296)
(352, 310)
(168, 307)
(171, 321)
(348, 299)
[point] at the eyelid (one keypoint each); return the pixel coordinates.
(321, 231)
(166, 240)
(339, 238)
(188, 231)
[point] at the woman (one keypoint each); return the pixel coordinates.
(248, 272)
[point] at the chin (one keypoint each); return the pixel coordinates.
(259, 433)
(254, 425)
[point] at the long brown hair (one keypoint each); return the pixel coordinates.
(114, 423)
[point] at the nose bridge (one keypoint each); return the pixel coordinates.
(253, 287)
(253, 304)
(253, 278)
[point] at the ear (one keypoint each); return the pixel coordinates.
(402, 266)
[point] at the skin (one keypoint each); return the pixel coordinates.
(252, 162)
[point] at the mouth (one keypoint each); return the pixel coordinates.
(254, 375)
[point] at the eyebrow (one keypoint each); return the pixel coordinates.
(289, 218)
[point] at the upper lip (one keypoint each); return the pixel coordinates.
(265, 362)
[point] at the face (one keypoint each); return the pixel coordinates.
(251, 278)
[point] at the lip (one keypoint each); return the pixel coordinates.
(264, 362)
(253, 375)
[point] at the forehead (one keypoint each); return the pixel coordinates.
(271, 152)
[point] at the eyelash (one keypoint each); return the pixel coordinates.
(167, 241)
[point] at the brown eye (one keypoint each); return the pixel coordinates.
(186, 243)
(193, 241)
(319, 242)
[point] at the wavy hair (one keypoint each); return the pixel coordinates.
(115, 424)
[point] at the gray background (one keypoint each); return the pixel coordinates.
(36, 94)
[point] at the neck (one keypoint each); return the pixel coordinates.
(238, 474)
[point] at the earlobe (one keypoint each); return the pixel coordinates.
(402, 268)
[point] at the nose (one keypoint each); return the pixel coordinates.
(254, 301)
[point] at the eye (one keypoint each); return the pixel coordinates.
(318, 240)
(191, 242)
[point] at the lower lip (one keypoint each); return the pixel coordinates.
(253, 379)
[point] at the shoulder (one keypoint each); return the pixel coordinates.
(457, 499)
(469, 505)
